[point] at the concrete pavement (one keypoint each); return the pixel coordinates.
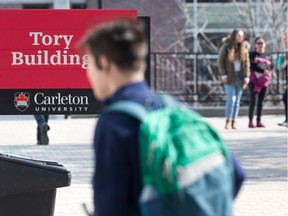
(262, 152)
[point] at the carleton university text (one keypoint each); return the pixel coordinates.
(60, 103)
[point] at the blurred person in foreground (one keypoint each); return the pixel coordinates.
(117, 53)
(233, 64)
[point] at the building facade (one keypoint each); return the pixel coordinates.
(167, 27)
(186, 36)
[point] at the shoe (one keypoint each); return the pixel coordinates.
(233, 125)
(227, 124)
(44, 139)
(260, 124)
(285, 124)
(251, 125)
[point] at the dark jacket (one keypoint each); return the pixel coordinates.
(117, 182)
(260, 63)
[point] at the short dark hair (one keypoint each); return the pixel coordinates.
(122, 41)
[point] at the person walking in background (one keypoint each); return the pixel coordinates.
(261, 67)
(42, 129)
(283, 66)
(233, 64)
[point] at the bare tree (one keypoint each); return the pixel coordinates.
(265, 17)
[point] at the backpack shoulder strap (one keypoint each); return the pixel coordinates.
(137, 110)
(168, 101)
(130, 108)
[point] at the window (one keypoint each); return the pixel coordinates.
(37, 6)
(78, 6)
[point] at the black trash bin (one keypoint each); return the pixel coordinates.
(28, 187)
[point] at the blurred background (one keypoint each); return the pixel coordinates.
(186, 36)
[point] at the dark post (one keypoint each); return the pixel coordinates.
(146, 21)
(99, 4)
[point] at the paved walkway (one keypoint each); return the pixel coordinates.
(262, 151)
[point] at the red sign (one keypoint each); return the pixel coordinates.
(38, 48)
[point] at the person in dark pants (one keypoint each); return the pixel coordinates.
(285, 109)
(42, 129)
(284, 67)
(261, 67)
(285, 98)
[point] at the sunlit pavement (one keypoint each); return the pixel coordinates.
(262, 152)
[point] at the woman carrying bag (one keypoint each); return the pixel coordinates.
(261, 73)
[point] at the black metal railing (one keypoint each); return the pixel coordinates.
(194, 78)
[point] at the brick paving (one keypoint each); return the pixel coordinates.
(262, 152)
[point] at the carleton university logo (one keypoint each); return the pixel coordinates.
(21, 100)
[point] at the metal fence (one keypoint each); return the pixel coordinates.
(194, 78)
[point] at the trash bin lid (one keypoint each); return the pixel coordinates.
(48, 165)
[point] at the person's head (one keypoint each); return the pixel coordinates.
(236, 45)
(260, 44)
(237, 36)
(117, 52)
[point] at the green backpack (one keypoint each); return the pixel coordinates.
(185, 165)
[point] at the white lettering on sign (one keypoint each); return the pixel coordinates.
(47, 57)
(50, 57)
(48, 40)
(17, 58)
(41, 99)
